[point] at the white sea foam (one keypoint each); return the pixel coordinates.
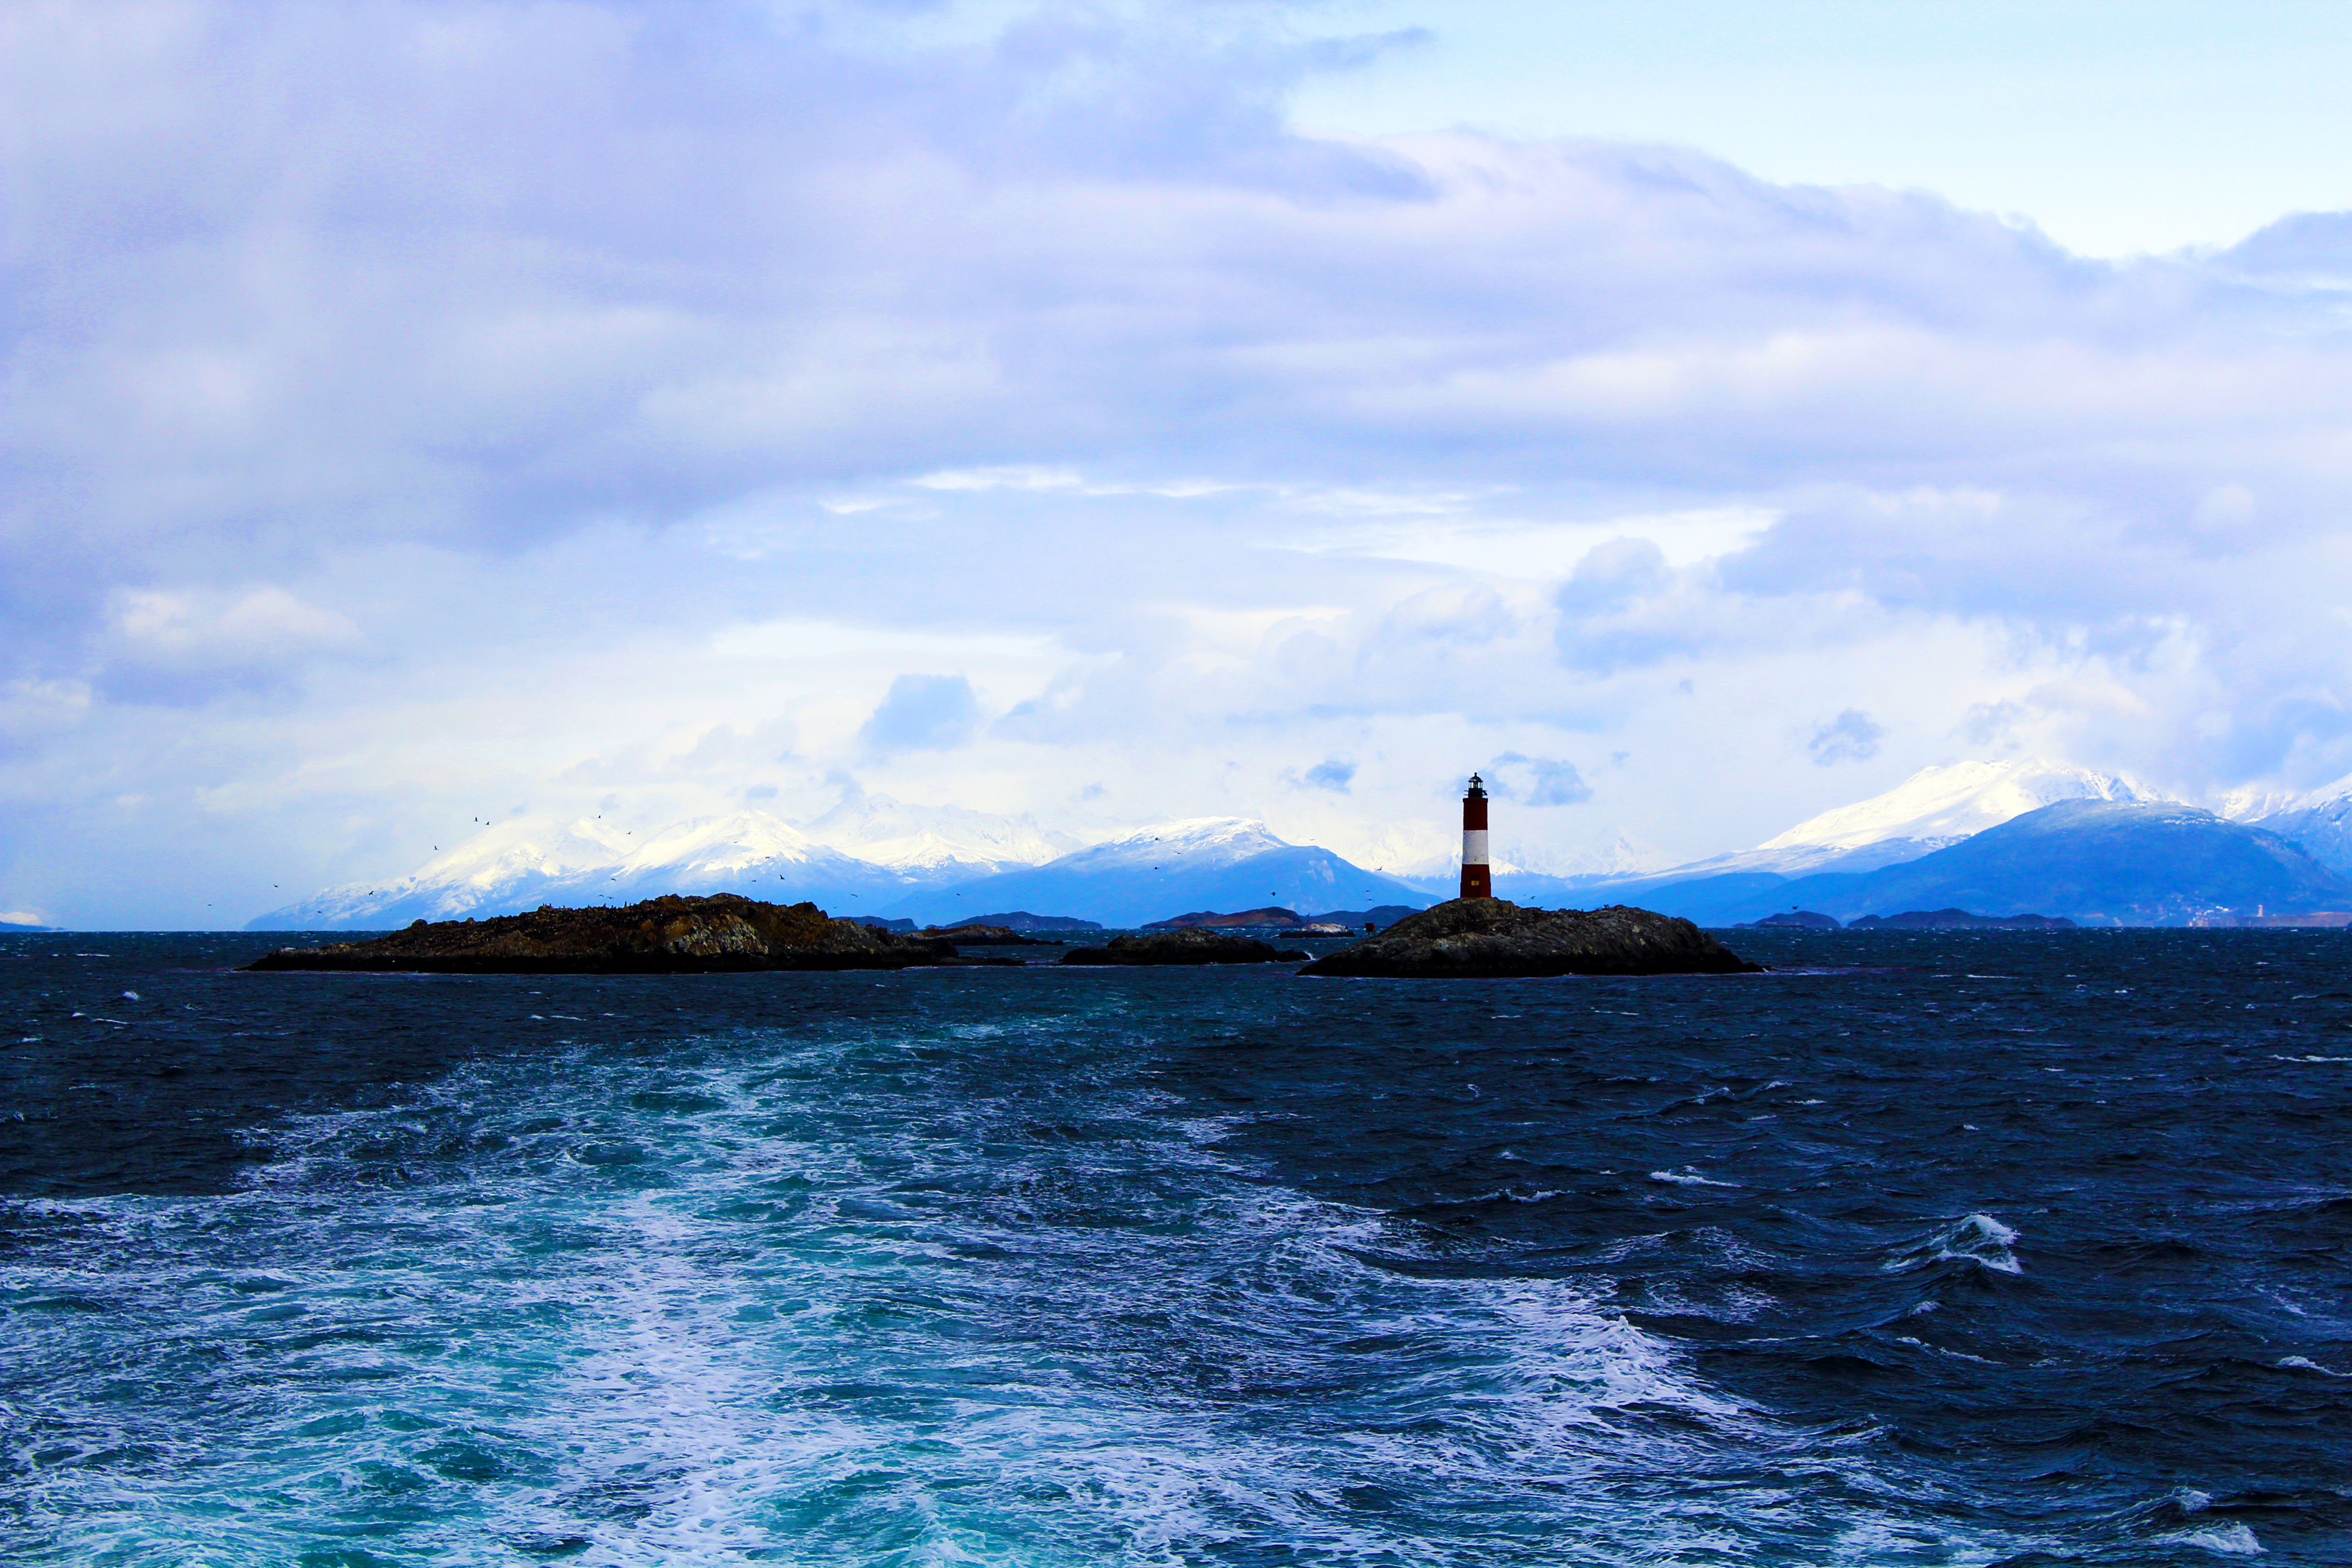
(1687, 1178)
(1977, 1239)
(653, 1313)
(1944, 1351)
(2223, 1540)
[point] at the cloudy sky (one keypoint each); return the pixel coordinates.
(1698, 416)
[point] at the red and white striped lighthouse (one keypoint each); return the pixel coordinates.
(1476, 882)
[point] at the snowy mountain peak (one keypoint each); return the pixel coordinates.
(2325, 795)
(1940, 805)
(2319, 823)
(525, 845)
(933, 838)
(738, 841)
(2251, 803)
(866, 851)
(1194, 841)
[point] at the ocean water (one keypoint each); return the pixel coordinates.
(1923, 1248)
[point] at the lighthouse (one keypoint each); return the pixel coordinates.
(1476, 882)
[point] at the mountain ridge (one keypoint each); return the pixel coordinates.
(939, 868)
(1198, 863)
(2096, 862)
(872, 855)
(514, 866)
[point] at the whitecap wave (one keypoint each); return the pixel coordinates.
(1977, 1239)
(2304, 1363)
(2222, 1540)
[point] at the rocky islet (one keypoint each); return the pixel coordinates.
(671, 934)
(1496, 939)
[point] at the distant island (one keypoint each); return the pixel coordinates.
(1014, 920)
(1335, 922)
(1909, 920)
(728, 932)
(1958, 919)
(671, 934)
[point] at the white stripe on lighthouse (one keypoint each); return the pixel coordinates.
(1473, 846)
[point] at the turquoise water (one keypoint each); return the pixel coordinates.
(1050, 1268)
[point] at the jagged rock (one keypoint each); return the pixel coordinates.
(1191, 946)
(1495, 938)
(665, 935)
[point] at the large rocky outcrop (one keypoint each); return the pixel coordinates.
(665, 935)
(1495, 938)
(1191, 946)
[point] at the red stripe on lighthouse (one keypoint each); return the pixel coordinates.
(1476, 883)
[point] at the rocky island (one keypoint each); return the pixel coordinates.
(1189, 946)
(979, 935)
(1494, 938)
(1958, 919)
(660, 936)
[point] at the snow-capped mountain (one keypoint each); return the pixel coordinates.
(1199, 863)
(1196, 842)
(1933, 808)
(501, 864)
(735, 853)
(935, 838)
(1941, 806)
(2097, 862)
(936, 863)
(2319, 823)
(519, 864)
(523, 864)
(2251, 803)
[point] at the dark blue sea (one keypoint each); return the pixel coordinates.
(1923, 1248)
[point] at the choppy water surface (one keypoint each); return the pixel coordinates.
(1930, 1249)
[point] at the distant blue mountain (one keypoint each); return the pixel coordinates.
(1211, 863)
(2099, 862)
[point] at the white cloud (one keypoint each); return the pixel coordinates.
(511, 399)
